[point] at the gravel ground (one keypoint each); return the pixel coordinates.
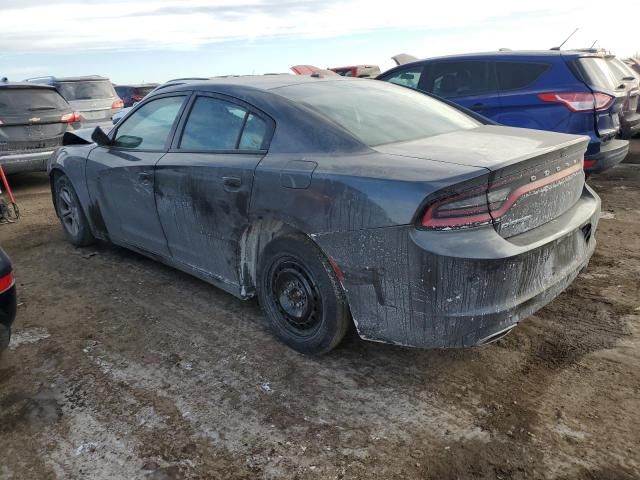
(123, 368)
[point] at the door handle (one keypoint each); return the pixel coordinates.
(145, 178)
(476, 107)
(231, 183)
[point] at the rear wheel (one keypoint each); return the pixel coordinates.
(74, 222)
(301, 296)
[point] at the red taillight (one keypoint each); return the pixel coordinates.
(589, 163)
(465, 209)
(483, 204)
(117, 104)
(71, 117)
(6, 282)
(579, 101)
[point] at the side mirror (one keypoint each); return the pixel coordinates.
(100, 137)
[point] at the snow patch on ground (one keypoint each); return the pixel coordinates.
(26, 336)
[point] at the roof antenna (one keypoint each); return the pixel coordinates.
(565, 40)
(593, 44)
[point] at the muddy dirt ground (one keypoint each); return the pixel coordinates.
(123, 368)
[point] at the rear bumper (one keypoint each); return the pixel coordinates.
(7, 316)
(610, 154)
(459, 288)
(25, 162)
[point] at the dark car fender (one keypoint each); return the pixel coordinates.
(71, 161)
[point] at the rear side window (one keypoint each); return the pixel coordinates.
(148, 128)
(27, 100)
(215, 124)
(409, 77)
(597, 73)
(460, 79)
(86, 90)
(516, 75)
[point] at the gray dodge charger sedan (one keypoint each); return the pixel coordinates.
(335, 200)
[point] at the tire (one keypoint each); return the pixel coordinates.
(74, 222)
(301, 296)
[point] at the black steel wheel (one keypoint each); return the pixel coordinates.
(300, 295)
(74, 223)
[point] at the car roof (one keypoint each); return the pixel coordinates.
(261, 82)
(509, 54)
(83, 78)
(135, 85)
(25, 85)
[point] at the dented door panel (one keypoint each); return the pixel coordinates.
(203, 202)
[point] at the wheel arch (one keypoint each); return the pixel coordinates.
(258, 234)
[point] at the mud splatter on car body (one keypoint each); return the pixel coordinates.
(413, 273)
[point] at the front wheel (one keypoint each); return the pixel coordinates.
(74, 222)
(301, 296)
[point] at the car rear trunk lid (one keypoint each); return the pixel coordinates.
(533, 176)
(31, 119)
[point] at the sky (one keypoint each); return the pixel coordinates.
(151, 40)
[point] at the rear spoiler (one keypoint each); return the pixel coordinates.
(310, 70)
(82, 136)
(403, 58)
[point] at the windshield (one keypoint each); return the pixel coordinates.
(92, 90)
(27, 100)
(378, 112)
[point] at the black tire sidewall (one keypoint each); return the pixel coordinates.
(335, 318)
(84, 236)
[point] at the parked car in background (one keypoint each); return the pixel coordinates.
(7, 300)
(131, 94)
(561, 91)
(93, 97)
(358, 71)
(630, 114)
(634, 64)
(33, 119)
(332, 198)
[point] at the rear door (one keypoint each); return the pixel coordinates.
(521, 106)
(120, 177)
(595, 73)
(203, 185)
(470, 83)
(32, 119)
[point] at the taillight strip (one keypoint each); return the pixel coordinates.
(524, 189)
(430, 221)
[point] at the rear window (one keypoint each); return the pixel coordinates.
(620, 69)
(597, 73)
(378, 112)
(516, 75)
(143, 91)
(25, 100)
(91, 90)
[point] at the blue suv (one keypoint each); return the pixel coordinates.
(560, 91)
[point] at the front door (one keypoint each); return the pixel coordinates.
(203, 185)
(121, 175)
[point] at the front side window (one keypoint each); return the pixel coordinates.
(407, 78)
(215, 124)
(459, 79)
(378, 112)
(148, 128)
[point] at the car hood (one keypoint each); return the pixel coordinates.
(488, 146)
